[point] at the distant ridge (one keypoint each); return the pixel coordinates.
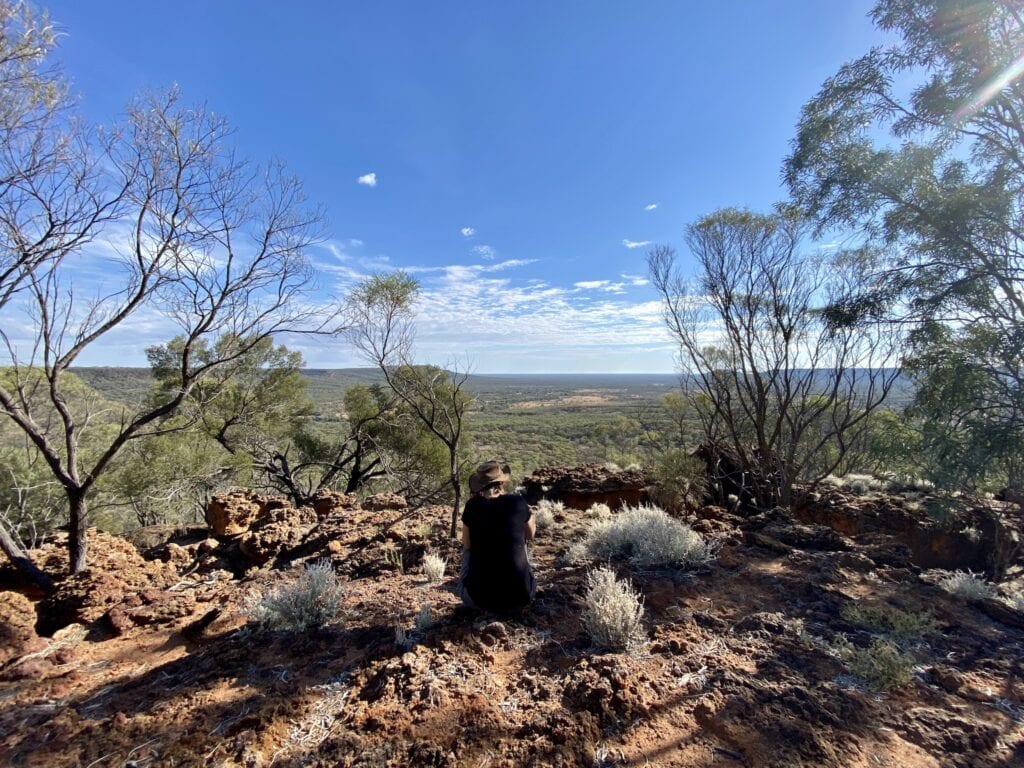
(327, 385)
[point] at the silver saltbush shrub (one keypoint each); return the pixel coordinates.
(967, 586)
(613, 612)
(544, 512)
(313, 599)
(645, 536)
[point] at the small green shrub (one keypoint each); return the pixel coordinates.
(310, 601)
(680, 480)
(392, 557)
(645, 536)
(433, 568)
(967, 586)
(612, 612)
(881, 665)
(900, 624)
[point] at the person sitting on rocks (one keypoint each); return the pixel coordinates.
(496, 573)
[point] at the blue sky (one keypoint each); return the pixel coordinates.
(517, 150)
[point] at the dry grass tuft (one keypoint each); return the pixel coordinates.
(545, 511)
(433, 568)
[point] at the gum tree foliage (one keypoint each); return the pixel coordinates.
(380, 313)
(763, 369)
(257, 410)
(919, 148)
(189, 232)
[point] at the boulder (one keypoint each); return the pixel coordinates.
(582, 487)
(280, 528)
(230, 514)
(327, 503)
(17, 627)
(384, 501)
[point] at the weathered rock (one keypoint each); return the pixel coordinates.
(329, 503)
(116, 572)
(277, 529)
(17, 627)
(232, 513)
(582, 487)
(966, 545)
(812, 537)
(150, 606)
(384, 501)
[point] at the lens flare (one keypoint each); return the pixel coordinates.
(986, 94)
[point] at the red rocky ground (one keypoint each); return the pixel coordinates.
(150, 662)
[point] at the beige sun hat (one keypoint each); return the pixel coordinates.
(489, 473)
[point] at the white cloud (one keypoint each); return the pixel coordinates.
(650, 207)
(636, 280)
(528, 326)
(485, 251)
(368, 180)
(588, 285)
(635, 243)
(467, 231)
(355, 242)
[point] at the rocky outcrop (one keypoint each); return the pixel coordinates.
(230, 514)
(581, 487)
(17, 627)
(384, 501)
(328, 503)
(966, 539)
(116, 570)
(280, 527)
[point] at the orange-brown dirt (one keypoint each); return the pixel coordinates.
(151, 662)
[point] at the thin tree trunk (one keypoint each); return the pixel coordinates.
(457, 487)
(77, 542)
(19, 557)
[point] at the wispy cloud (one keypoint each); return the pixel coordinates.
(529, 325)
(368, 180)
(485, 251)
(636, 280)
(635, 243)
(650, 206)
(467, 231)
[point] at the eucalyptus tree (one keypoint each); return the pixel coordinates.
(380, 313)
(918, 147)
(765, 369)
(191, 234)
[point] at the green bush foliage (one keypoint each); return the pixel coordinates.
(882, 665)
(897, 623)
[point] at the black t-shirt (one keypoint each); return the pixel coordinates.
(499, 572)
